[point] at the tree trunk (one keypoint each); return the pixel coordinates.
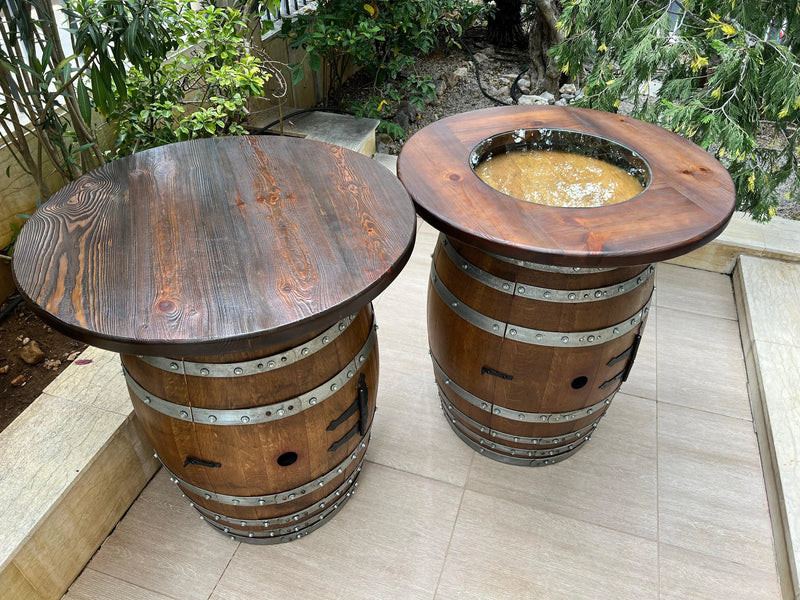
(543, 35)
(504, 27)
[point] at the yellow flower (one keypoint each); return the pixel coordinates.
(565, 69)
(717, 93)
(728, 29)
(783, 113)
(610, 81)
(698, 63)
(602, 48)
(751, 182)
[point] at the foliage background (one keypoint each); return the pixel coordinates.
(715, 71)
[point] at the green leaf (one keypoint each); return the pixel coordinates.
(84, 103)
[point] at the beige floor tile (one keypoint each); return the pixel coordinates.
(642, 378)
(92, 585)
(711, 494)
(694, 290)
(503, 550)
(162, 544)
(410, 433)
(99, 383)
(700, 363)
(610, 482)
(388, 542)
(687, 575)
(400, 310)
(400, 314)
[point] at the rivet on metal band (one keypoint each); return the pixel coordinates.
(524, 453)
(517, 415)
(533, 292)
(570, 339)
(251, 367)
(287, 534)
(514, 460)
(290, 519)
(280, 497)
(257, 414)
(495, 434)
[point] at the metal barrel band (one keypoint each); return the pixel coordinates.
(533, 292)
(280, 497)
(525, 453)
(571, 339)
(517, 415)
(290, 519)
(513, 460)
(510, 437)
(445, 241)
(257, 414)
(251, 367)
(291, 533)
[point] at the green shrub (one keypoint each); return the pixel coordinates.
(200, 91)
(382, 38)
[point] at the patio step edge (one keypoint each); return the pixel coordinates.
(73, 464)
(778, 239)
(766, 292)
(356, 134)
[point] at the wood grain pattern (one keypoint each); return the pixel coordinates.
(687, 204)
(248, 454)
(545, 379)
(215, 246)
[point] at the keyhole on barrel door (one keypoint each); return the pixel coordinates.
(579, 382)
(287, 458)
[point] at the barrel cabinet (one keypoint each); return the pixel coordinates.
(235, 278)
(535, 312)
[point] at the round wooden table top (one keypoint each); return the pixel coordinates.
(687, 203)
(215, 246)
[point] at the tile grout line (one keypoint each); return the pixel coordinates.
(222, 574)
(399, 470)
(658, 480)
(452, 532)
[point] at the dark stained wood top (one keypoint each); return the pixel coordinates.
(215, 246)
(688, 203)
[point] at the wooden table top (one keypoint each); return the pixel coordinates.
(215, 246)
(688, 202)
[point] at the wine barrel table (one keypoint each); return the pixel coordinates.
(535, 312)
(235, 277)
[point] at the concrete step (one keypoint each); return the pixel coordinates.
(387, 160)
(767, 293)
(343, 130)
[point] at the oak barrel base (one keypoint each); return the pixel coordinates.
(527, 358)
(267, 446)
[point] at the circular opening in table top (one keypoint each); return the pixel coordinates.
(559, 167)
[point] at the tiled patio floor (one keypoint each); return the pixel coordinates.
(666, 501)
